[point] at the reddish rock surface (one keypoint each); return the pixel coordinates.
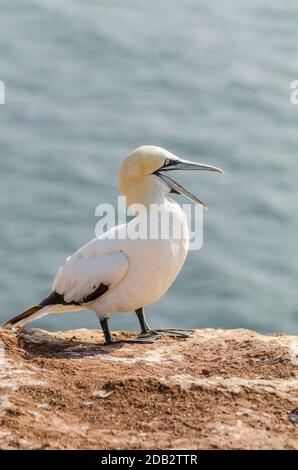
(215, 390)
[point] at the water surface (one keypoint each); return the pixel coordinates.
(86, 82)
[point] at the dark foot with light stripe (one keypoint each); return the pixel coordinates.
(160, 333)
(137, 340)
(109, 340)
(149, 333)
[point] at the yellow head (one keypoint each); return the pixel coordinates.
(136, 178)
(142, 178)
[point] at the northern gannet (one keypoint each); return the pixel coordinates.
(114, 273)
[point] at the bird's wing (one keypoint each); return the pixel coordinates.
(84, 278)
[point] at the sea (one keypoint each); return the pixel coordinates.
(86, 82)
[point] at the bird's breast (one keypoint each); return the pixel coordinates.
(154, 263)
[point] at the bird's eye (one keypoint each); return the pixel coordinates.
(167, 162)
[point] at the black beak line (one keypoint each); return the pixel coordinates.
(178, 189)
(171, 165)
(179, 164)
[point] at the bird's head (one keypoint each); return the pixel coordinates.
(142, 174)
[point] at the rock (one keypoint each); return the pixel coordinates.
(214, 390)
(87, 404)
(293, 416)
(101, 394)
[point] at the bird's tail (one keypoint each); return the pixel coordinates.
(32, 313)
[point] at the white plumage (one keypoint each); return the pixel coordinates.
(115, 273)
(138, 272)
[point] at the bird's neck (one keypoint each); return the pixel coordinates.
(157, 214)
(147, 193)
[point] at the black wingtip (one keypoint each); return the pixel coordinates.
(16, 319)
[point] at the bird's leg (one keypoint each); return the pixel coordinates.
(147, 332)
(145, 328)
(109, 340)
(106, 331)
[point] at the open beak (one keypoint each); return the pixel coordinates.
(178, 164)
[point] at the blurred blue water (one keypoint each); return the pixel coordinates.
(86, 82)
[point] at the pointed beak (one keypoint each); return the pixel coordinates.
(179, 164)
(186, 165)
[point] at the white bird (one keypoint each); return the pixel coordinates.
(115, 273)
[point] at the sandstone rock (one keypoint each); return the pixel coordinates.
(215, 390)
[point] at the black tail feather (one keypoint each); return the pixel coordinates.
(30, 311)
(57, 299)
